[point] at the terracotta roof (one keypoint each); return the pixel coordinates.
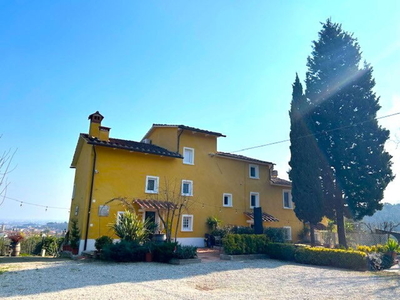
(280, 181)
(131, 146)
(154, 204)
(265, 217)
(184, 127)
(242, 157)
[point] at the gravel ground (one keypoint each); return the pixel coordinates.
(250, 279)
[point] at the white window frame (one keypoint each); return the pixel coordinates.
(288, 233)
(256, 171)
(189, 228)
(190, 182)
(119, 213)
(290, 199)
(230, 202)
(186, 159)
(156, 181)
(73, 192)
(257, 204)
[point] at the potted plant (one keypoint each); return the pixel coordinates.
(15, 243)
(74, 237)
(392, 246)
(149, 252)
(213, 223)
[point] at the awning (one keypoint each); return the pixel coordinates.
(265, 217)
(154, 204)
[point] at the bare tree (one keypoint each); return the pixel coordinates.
(5, 164)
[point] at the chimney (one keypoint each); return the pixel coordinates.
(274, 174)
(95, 129)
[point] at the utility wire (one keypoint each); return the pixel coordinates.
(34, 204)
(314, 134)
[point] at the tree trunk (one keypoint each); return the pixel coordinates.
(340, 223)
(312, 236)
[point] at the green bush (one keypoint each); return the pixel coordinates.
(124, 251)
(281, 251)
(347, 259)
(130, 227)
(31, 245)
(185, 252)
(370, 249)
(244, 243)
(241, 230)
(102, 241)
(275, 235)
(52, 244)
(163, 252)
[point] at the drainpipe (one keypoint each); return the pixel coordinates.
(179, 138)
(90, 197)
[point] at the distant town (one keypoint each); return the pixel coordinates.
(29, 227)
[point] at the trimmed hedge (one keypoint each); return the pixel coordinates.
(281, 251)
(163, 252)
(244, 243)
(347, 259)
(124, 251)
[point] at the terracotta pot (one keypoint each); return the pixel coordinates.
(149, 257)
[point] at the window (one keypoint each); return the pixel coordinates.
(151, 184)
(76, 210)
(187, 188)
(287, 233)
(287, 199)
(73, 192)
(187, 223)
(188, 156)
(253, 171)
(227, 200)
(254, 200)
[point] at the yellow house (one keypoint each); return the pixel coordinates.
(173, 160)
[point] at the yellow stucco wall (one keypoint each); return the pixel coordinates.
(122, 173)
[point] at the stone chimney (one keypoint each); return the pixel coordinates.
(95, 129)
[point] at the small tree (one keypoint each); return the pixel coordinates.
(74, 235)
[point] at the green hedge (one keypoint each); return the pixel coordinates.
(244, 243)
(347, 259)
(281, 251)
(163, 252)
(124, 251)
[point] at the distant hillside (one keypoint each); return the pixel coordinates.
(389, 213)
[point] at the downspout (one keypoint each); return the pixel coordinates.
(179, 139)
(90, 198)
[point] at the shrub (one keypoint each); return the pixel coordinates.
(163, 252)
(281, 251)
(370, 249)
(379, 261)
(124, 251)
(347, 259)
(32, 245)
(102, 241)
(51, 244)
(244, 243)
(185, 252)
(130, 227)
(275, 235)
(241, 230)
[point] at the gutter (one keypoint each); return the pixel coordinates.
(179, 139)
(90, 198)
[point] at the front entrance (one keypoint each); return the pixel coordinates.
(150, 216)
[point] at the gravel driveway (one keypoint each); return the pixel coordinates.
(250, 279)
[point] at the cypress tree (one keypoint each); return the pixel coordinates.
(354, 167)
(304, 172)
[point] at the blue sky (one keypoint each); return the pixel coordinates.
(224, 66)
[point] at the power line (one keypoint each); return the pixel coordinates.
(34, 204)
(312, 134)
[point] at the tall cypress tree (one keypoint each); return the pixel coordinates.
(354, 167)
(304, 172)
